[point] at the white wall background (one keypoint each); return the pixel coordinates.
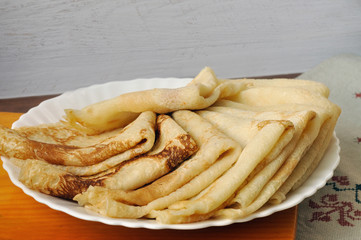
(49, 47)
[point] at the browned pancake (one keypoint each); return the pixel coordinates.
(173, 146)
(14, 144)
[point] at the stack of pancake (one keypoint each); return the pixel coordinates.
(215, 148)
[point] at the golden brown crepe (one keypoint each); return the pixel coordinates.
(173, 146)
(215, 155)
(307, 164)
(300, 96)
(225, 186)
(132, 137)
(295, 166)
(261, 175)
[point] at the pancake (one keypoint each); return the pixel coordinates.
(201, 92)
(284, 83)
(225, 186)
(172, 147)
(132, 137)
(216, 154)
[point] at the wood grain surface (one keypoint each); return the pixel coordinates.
(21, 217)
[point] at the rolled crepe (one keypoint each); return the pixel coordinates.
(105, 200)
(201, 92)
(226, 185)
(285, 83)
(268, 96)
(211, 146)
(243, 128)
(133, 136)
(307, 164)
(301, 96)
(274, 181)
(263, 172)
(173, 146)
(273, 185)
(312, 137)
(314, 154)
(216, 154)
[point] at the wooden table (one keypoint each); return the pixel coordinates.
(21, 217)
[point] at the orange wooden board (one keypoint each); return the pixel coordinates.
(21, 217)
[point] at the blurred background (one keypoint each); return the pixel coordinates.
(48, 47)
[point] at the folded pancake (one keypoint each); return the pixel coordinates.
(243, 128)
(201, 92)
(216, 154)
(285, 83)
(273, 95)
(314, 155)
(266, 169)
(173, 146)
(62, 134)
(287, 175)
(170, 216)
(225, 186)
(280, 170)
(307, 164)
(105, 201)
(272, 191)
(329, 110)
(132, 137)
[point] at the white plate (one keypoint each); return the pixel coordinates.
(52, 110)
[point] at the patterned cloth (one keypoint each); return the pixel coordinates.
(334, 212)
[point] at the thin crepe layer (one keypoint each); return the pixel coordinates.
(173, 146)
(242, 126)
(284, 83)
(115, 205)
(314, 134)
(201, 92)
(141, 130)
(307, 164)
(211, 144)
(261, 175)
(226, 185)
(105, 201)
(256, 97)
(216, 154)
(280, 173)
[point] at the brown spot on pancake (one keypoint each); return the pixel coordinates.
(172, 155)
(176, 154)
(285, 123)
(70, 185)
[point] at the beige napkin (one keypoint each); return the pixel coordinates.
(334, 212)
